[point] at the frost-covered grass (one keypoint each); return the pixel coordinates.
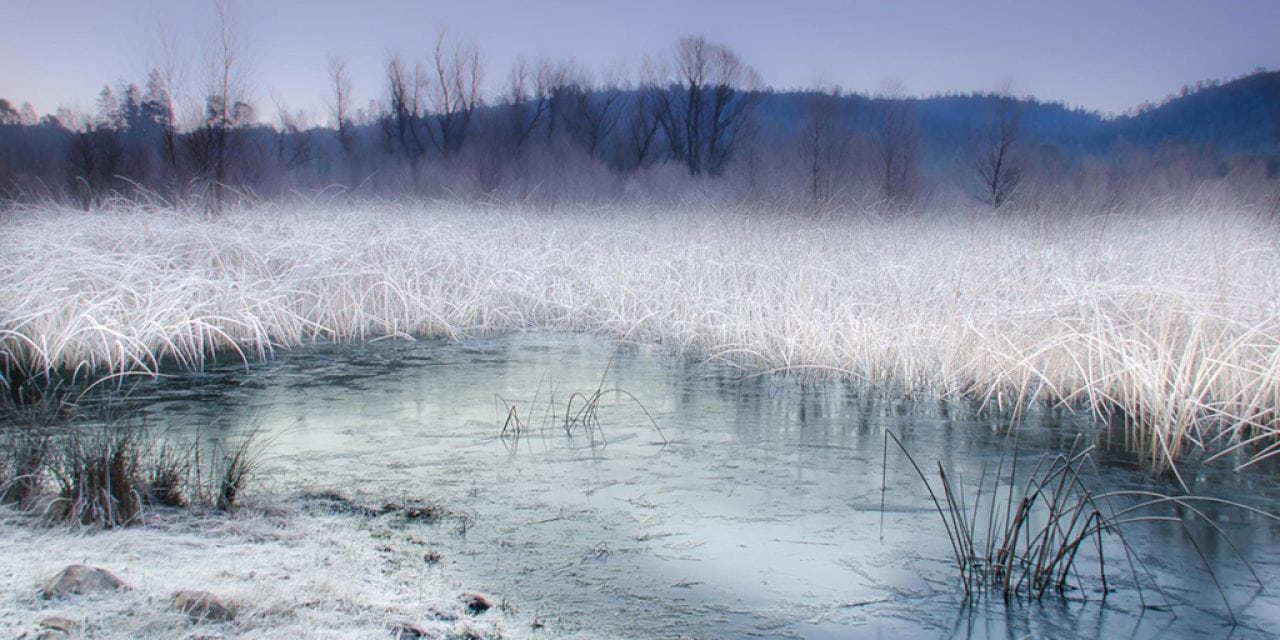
(288, 575)
(1171, 316)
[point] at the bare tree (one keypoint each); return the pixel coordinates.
(157, 107)
(160, 105)
(226, 108)
(734, 84)
(597, 112)
(997, 162)
(293, 139)
(564, 83)
(220, 107)
(710, 104)
(647, 114)
(403, 131)
(533, 91)
(340, 108)
(685, 120)
(897, 137)
(519, 120)
(824, 143)
(455, 92)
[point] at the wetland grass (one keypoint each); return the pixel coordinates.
(581, 413)
(1024, 535)
(1165, 314)
(64, 466)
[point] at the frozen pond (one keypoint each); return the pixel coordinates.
(759, 518)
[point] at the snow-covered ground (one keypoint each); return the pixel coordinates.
(286, 573)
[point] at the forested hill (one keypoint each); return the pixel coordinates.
(1239, 117)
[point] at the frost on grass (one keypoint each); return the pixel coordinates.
(1166, 316)
(295, 574)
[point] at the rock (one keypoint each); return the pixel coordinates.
(58, 623)
(406, 631)
(46, 634)
(441, 616)
(424, 512)
(78, 579)
(202, 606)
(51, 628)
(429, 513)
(335, 502)
(432, 557)
(475, 603)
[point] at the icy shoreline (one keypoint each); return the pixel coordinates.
(289, 572)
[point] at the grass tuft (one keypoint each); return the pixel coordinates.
(230, 475)
(581, 413)
(67, 468)
(1022, 536)
(99, 477)
(23, 455)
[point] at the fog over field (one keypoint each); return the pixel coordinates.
(1023, 261)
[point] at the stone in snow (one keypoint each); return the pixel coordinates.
(202, 605)
(475, 603)
(80, 579)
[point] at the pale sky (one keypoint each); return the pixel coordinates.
(1103, 55)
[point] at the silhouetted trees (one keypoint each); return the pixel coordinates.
(897, 139)
(227, 111)
(710, 102)
(159, 121)
(8, 115)
(693, 120)
(454, 92)
(340, 106)
(402, 126)
(997, 162)
(825, 141)
(644, 114)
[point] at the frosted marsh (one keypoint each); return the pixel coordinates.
(1166, 316)
(761, 515)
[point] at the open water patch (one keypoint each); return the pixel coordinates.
(755, 512)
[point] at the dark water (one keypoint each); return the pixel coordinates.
(760, 517)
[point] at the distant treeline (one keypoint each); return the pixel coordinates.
(695, 121)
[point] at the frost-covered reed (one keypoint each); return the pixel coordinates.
(1169, 316)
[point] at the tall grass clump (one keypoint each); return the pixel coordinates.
(108, 476)
(1165, 317)
(23, 456)
(218, 477)
(1025, 534)
(105, 468)
(581, 413)
(99, 478)
(27, 423)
